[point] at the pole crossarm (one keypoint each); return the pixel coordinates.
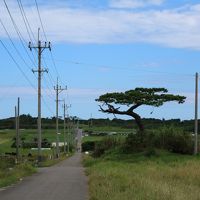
(45, 46)
(41, 71)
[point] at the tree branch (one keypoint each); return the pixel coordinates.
(111, 109)
(133, 107)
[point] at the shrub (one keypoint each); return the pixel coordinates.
(88, 146)
(106, 144)
(133, 143)
(175, 140)
(6, 162)
(31, 144)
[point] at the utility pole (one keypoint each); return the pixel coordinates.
(17, 114)
(91, 124)
(40, 48)
(64, 107)
(196, 114)
(58, 90)
(68, 133)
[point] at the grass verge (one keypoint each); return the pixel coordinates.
(163, 176)
(49, 163)
(11, 175)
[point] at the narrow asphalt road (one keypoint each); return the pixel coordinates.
(64, 181)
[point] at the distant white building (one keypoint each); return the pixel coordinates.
(112, 133)
(60, 144)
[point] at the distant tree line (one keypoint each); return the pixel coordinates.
(29, 122)
(150, 123)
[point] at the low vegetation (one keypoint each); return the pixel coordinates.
(48, 162)
(161, 166)
(138, 176)
(172, 139)
(11, 173)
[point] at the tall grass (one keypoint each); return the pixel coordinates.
(137, 177)
(10, 174)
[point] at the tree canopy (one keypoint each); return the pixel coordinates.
(134, 98)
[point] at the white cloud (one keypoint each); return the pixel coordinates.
(7, 91)
(17, 91)
(85, 92)
(178, 28)
(134, 3)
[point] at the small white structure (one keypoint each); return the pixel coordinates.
(43, 149)
(60, 144)
(112, 133)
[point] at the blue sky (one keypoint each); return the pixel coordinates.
(103, 46)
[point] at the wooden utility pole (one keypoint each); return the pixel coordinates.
(68, 133)
(17, 114)
(64, 107)
(90, 122)
(58, 90)
(40, 48)
(196, 114)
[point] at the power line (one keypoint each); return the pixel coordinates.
(9, 36)
(58, 90)
(52, 82)
(121, 68)
(22, 40)
(18, 66)
(47, 106)
(51, 77)
(51, 96)
(40, 48)
(26, 19)
(28, 25)
(51, 54)
(25, 76)
(40, 20)
(55, 67)
(23, 17)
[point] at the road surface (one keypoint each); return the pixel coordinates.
(64, 181)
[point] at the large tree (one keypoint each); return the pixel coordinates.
(135, 98)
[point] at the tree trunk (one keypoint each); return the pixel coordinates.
(138, 121)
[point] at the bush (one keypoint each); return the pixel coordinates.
(133, 143)
(88, 146)
(105, 145)
(175, 140)
(31, 144)
(7, 162)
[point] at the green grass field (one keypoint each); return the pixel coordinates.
(11, 173)
(164, 176)
(92, 138)
(100, 129)
(6, 139)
